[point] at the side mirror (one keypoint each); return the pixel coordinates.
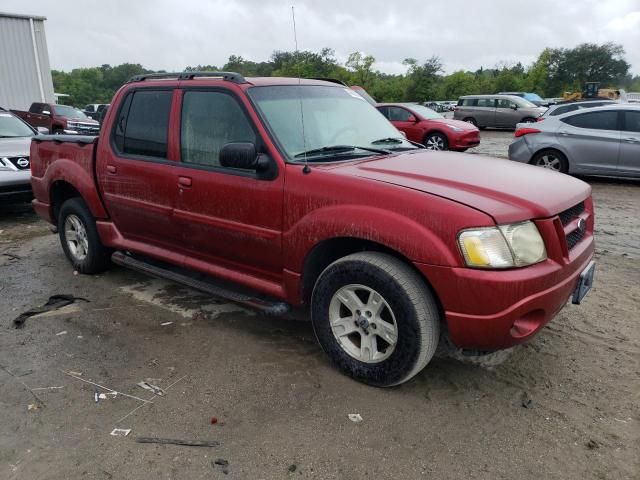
(46, 112)
(412, 119)
(514, 106)
(241, 155)
(43, 130)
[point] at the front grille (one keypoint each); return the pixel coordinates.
(574, 237)
(21, 163)
(84, 128)
(571, 213)
(566, 218)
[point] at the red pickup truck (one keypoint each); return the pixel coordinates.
(59, 119)
(298, 192)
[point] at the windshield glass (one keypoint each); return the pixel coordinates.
(533, 97)
(332, 116)
(523, 102)
(69, 112)
(425, 112)
(11, 127)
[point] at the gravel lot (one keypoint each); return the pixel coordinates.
(281, 410)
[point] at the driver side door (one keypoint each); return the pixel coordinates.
(406, 122)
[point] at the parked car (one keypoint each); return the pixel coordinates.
(301, 193)
(566, 107)
(59, 119)
(15, 175)
(423, 125)
(532, 97)
(500, 111)
(597, 141)
(94, 110)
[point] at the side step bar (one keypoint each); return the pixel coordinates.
(174, 274)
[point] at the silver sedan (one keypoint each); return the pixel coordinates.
(595, 141)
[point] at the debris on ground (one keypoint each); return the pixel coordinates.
(214, 420)
(592, 444)
(112, 391)
(164, 324)
(526, 401)
(292, 468)
(64, 332)
(223, 463)
(152, 388)
(355, 417)
(55, 302)
(46, 388)
(171, 441)
(33, 407)
(120, 432)
(77, 374)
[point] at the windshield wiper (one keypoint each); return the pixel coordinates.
(339, 149)
(387, 140)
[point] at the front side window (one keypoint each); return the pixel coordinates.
(426, 112)
(209, 121)
(142, 126)
(68, 112)
(399, 114)
(607, 120)
(632, 121)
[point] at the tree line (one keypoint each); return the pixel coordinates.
(555, 71)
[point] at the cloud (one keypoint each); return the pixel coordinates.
(164, 34)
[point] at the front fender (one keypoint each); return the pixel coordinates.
(402, 234)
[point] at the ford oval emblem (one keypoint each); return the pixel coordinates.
(582, 225)
(22, 162)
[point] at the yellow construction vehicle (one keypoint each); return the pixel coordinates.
(591, 91)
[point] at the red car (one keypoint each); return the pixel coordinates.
(423, 125)
(203, 176)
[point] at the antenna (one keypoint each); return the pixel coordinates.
(306, 168)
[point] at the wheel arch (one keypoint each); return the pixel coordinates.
(551, 148)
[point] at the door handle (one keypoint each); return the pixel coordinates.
(184, 182)
(112, 169)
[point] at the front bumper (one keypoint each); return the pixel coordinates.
(15, 186)
(490, 310)
(464, 141)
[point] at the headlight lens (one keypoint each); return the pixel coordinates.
(454, 128)
(504, 246)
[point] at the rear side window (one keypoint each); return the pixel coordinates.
(36, 108)
(468, 102)
(209, 121)
(594, 120)
(142, 125)
(565, 109)
(384, 111)
(632, 121)
(486, 102)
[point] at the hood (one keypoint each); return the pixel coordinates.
(506, 190)
(15, 147)
(466, 126)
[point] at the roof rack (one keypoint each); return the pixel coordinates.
(229, 76)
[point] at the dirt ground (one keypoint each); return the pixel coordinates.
(563, 406)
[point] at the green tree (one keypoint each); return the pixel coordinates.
(360, 65)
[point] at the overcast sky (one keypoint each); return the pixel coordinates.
(163, 34)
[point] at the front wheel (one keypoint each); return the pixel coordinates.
(79, 238)
(436, 141)
(375, 318)
(471, 120)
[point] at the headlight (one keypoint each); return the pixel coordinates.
(454, 128)
(504, 246)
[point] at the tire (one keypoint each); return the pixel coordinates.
(471, 120)
(436, 141)
(57, 131)
(86, 253)
(551, 159)
(403, 301)
(528, 120)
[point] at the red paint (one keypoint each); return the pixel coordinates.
(418, 128)
(258, 233)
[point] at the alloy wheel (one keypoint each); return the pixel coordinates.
(75, 235)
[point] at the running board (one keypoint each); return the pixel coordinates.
(206, 284)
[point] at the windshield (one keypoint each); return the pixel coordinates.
(523, 102)
(332, 116)
(425, 112)
(69, 112)
(11, 127)
(533, 97)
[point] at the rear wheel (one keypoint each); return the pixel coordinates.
(436, 141)
(529, 120)
(79, 238)
(551, 159)
(375, 318)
